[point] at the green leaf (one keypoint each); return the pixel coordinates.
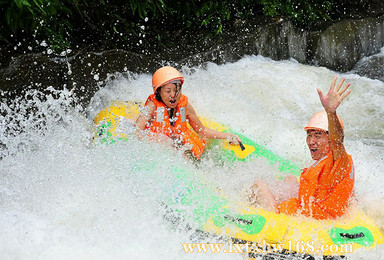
(8, 18)
(39, 5)
(25, 2)
(133, 7)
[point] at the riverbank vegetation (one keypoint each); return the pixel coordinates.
(56, 26)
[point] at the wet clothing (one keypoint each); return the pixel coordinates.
(325, 190)
(176, 126)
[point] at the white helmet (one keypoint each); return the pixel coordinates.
(320, 121)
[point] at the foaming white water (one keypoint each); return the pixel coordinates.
(61, 197)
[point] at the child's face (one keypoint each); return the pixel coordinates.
(170, 94)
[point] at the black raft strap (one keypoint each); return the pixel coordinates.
(352, 236)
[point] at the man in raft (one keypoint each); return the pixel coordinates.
(326, 187)
(168, 112)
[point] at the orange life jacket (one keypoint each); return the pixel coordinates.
(161, 124)
(326, 189)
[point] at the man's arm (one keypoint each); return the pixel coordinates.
(331, 102)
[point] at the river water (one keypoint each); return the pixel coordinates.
(62, 197)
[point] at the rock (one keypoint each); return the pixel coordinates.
(84, 72)
(281, 41)
(343, 44)
(31, 70)
(338, 47)
(371, 67)
(87, 71)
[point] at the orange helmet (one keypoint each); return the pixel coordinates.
(166, 75)
(320, 121)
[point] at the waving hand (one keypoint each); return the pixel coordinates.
(333, 99)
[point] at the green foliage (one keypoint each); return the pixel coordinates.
(137, 24)
(303, 13)
(43, 19)
(209, 15)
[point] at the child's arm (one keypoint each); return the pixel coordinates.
(206, 132)
(145, 116)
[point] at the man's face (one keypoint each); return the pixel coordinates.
(318, 143)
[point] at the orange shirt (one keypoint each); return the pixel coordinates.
(325, 189)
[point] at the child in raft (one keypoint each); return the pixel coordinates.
(168, 113)
(326, 187)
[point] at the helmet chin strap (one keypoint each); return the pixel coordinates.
(172, 120)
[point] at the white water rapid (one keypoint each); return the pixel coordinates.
(63, 198)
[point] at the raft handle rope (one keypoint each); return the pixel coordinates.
(352, 236)
(238, 220)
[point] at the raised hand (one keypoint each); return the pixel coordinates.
(333, 99)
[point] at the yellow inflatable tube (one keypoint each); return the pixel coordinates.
(300, 234)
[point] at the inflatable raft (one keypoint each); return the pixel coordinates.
(114, 122)
(259, 231)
